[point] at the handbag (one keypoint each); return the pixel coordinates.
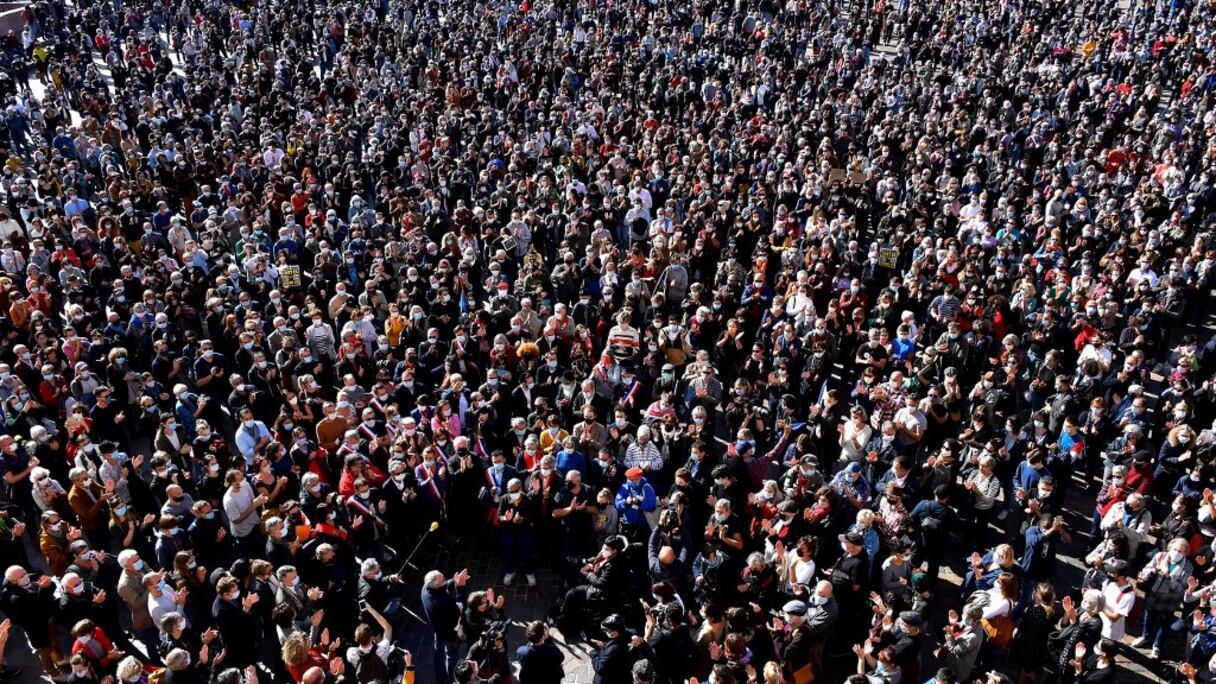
(999, 630)
(804, 675)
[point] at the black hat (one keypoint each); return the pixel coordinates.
(852, 538)
(613, 623)
(912, 619)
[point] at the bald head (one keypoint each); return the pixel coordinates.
(313, 675)
(667, 555)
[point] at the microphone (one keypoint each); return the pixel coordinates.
(433, 528)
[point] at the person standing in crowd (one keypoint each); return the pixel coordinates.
(441, 601)
(684, 313)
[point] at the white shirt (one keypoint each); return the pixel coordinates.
(382, 650)
(1119, 600)
(849, 451)
(236, 503)
(160, 606)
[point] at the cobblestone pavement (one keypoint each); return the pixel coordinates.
(523, 605)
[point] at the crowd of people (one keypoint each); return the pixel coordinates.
(775, 342)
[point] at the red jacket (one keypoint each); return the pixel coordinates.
(99, 636)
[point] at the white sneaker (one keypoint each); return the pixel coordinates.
(508, 579)
(531, 580)
(1155, 654)
(1140, 643)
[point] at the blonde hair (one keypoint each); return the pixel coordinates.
(1003, 554)
(295, 649)
(772, 673)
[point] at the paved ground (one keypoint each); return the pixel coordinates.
(523, 605)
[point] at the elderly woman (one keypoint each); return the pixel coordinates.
(1164, 579)
(984, 488)
(48, 493)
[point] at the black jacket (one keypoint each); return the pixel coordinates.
(793, 647)
(613, 663)
(30, 608)
(241, 631)
(540, 663)
(674, 651)
(1086, 631)
(611, 577)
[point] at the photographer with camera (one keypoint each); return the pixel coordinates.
(483, 626)
(669, 552)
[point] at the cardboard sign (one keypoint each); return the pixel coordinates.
(289, 276)
(888, 256)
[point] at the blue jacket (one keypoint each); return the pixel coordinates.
(1026, 477)
(634, 514)
(187, 404)
(567, 460)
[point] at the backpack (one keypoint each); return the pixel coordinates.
(370, 667)
(932, 523)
